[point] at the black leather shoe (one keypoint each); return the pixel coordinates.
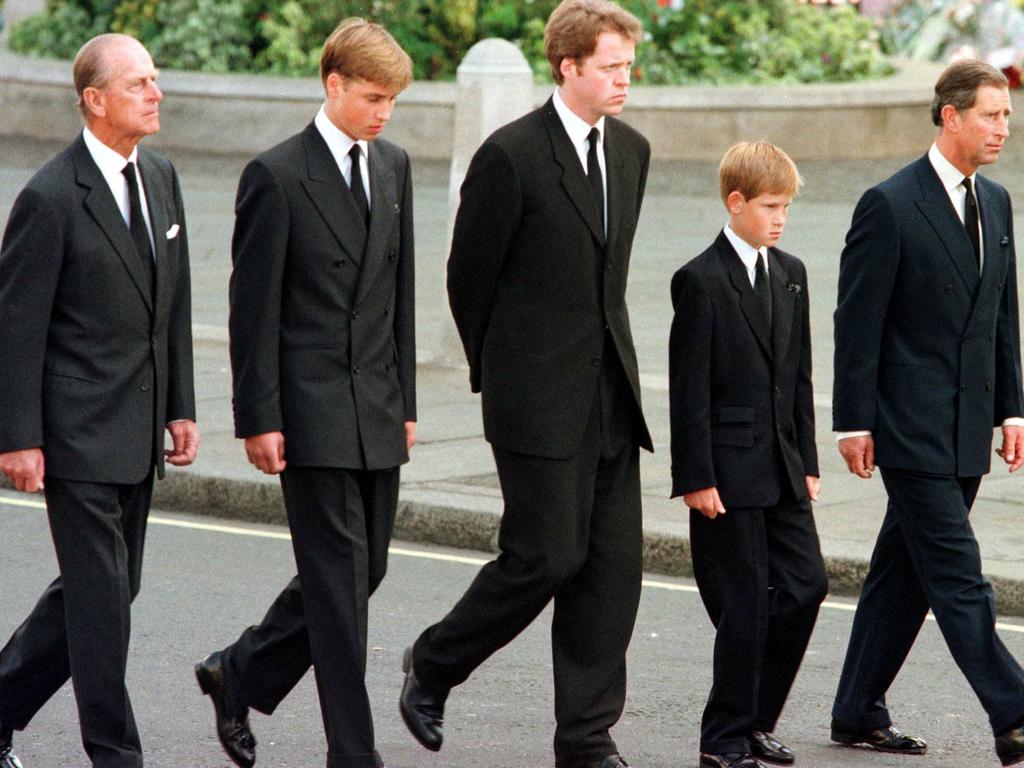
(730, 760)
(378, 761)
(890, 739)
(7, 757)
(232, 718)
(612, 761)
(1009, 746)
(422, 712)
(767, 747)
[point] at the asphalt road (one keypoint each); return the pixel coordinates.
(204, 582)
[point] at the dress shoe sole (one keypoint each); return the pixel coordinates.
(773, 760)
(1012, 759)
(848, 740)
(207, 685)
(409, 722)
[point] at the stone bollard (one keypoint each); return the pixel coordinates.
(495, 86)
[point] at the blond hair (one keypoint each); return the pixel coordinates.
(363, 50)
(755, 168)
(573, 28)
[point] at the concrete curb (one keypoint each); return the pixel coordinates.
(425, 520)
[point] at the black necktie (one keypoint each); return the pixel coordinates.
(594, 173)
(762, 288)
(137, 225)
(358, 192)
(971, 220)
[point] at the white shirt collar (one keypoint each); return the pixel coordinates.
(950, 177)
(339, 142)
(748, 254)
(577, 128)
(110, 162)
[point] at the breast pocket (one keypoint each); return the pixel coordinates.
(734, 425)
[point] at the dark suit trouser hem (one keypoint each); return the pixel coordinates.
(926, 556)
(341, 522)
(762, 579)
(571, 530)
(81, 625)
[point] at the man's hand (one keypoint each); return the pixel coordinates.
(185, 439)
(859, 454)
(26, 468)
(813, 486)
(266, 452)
(706, 501)
(1013, 447)
(410, 435)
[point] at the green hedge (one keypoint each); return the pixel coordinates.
(714, 41)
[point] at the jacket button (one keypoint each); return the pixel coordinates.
(963, 387)
(355, 370)
(609, 265)
(144, 388)
(355, 315)
(338, 262)
(948, 289)
(391, 256)
(595, 361)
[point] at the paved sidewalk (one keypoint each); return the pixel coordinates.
(449, 490)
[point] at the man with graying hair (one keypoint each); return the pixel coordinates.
(95, 362)
(927, 363)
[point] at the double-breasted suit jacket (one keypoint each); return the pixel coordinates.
(92, 366)
(927, 350)
(322, 326)
(534, 284)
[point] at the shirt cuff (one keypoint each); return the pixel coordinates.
(1014, 421)
(855, 433)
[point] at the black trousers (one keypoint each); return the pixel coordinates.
(571, 531)
(762, 578)
(341, 522)
(81, 625)
(926, 556)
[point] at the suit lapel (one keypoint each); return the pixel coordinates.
(783, 305)
(156, 199)
(383, 212)
(574, 179)
(993, 230)
(938, 210)
(327, 189)
(101, 205)
(748, 299)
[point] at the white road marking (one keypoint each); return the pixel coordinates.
(239, 530)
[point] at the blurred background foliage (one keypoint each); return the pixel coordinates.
(686, 41)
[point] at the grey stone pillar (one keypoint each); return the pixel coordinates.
(495, 87)
(16, 10)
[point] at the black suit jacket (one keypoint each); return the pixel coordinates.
(740, 398)
(927, 353)
(534, 285)
(323, 342)
(91, 368)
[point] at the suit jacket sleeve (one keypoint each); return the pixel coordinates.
(489, 215)
(181, 401)
(804, 406)
(405, 301)
(867, 274)
(30, 265)
(258, 249)
(689, 376)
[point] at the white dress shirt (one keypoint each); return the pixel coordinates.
(748, 254)
(340, 144)
(578, 130)
(111, 163)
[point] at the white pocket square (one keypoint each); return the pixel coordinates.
(173, 232)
